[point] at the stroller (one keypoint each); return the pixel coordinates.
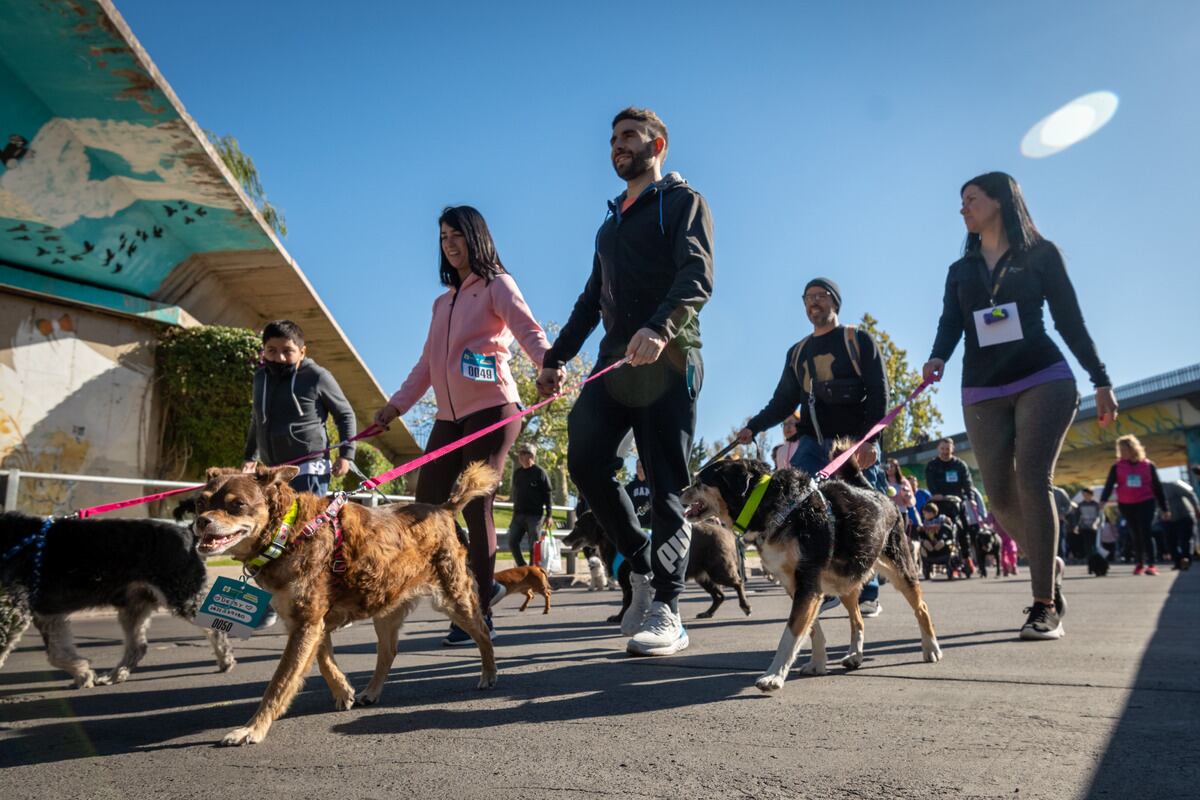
(967, 525)
(939, 547)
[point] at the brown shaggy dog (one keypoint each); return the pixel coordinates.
(528, 579)
(393, 556)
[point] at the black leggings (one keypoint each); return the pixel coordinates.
(437, 479)
(1139, 517)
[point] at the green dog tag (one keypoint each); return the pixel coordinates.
(233, 607)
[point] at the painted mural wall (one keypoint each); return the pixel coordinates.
(76, 396)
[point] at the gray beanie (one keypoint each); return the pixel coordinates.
(830, 287)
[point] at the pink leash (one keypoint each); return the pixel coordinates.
(833, 466)
(372, 430)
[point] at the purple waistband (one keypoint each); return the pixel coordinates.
(1055, 372)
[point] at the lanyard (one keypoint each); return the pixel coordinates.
(993, 281)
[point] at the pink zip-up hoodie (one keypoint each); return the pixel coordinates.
(466, 352)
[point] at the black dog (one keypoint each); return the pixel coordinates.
(987, 543)
(134, 564)
(712, 561)
(816, 540)
(1097, 565)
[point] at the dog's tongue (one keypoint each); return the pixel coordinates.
(692, 511)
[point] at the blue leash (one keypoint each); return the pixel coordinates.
(38, 540)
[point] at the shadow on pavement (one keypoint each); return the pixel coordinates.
(1152, 751)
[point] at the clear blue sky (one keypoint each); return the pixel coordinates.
(829, 139)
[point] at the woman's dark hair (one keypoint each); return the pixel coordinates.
(1014, 214)
(481, 250)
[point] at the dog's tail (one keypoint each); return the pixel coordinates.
(477, 480)
(849, 472)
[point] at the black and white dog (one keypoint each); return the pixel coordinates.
(817, 541)
(135, 565)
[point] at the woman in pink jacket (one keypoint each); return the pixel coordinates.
(465, 360)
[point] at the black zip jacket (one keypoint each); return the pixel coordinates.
(959, 485)
(653, 268)
(531, 491)
(1034, 278)
(288, 417)
(793, 387)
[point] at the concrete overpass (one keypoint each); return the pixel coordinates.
(1163, 411)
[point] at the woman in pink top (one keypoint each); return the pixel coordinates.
(1138, 490)
(465, 360)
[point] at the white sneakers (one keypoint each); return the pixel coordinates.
(662, 633)
(635, 615)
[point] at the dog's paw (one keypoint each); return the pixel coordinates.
(226, 664)
(487, 680)
(704, 615)
(85, 679)
(769, 682)
(812, 668)
(367, 698)
(241, 736)
(118, 675)
(344, 703)
(853, 661)
(932, 651)
(615, 619)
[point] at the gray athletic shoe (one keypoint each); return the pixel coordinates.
(662, 634)
(1043, 623)
(639, 604)
(870, 608)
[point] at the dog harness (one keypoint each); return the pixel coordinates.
(330, 515)
(777, 519)
(752, 504)
(37, 540)
(275, 549)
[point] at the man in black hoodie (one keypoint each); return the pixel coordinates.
(652, 272)
(293, 396)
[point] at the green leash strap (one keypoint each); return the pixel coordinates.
(752, 504)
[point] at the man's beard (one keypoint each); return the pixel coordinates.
(822, 317)
(639, 164)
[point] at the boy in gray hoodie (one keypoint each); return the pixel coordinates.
(293, 396)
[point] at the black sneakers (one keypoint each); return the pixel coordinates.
(1043, 623)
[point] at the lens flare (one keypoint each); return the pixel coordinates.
(1069, 125)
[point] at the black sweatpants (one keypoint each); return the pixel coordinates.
(657, 402)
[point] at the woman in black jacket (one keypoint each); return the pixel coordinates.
(1019, 394)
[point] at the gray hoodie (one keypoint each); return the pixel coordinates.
(288, 419)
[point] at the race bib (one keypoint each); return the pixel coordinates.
(951, 477)
(1133, 481)
(476, 367)
(317, 467)
(233, 607)
(997, 325)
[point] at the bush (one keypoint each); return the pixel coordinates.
(205, 376)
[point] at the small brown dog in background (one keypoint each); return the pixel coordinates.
(527, 579)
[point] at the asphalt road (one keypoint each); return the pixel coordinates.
(1111, 710)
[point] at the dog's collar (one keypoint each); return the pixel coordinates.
(748, 511)
(275, 549)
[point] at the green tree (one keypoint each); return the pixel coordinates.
(205, 375)
(919, 421)
(246, 173)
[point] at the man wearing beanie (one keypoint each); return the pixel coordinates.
(835, 378)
